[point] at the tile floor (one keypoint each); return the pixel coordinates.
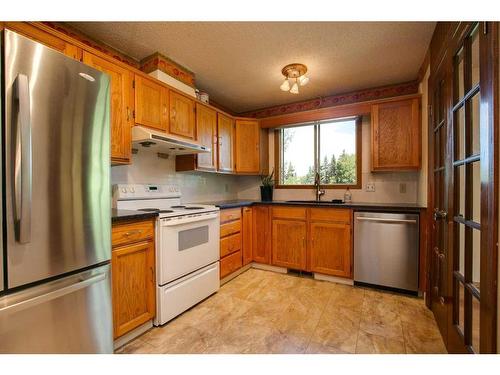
(267, 312)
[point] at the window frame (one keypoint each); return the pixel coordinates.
(278, 153)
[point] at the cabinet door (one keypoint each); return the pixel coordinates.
(206, 130)
(247, 225)
(331, 248)
(182, 121)
(133, 286)
(122, 105)
(261, 241)
(247, 146)
(289, 243)
(396, 137)
(151, 104)
(225, 132)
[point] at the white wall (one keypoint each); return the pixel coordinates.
(147, 168)
(387, 184)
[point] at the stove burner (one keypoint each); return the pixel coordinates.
(178, 206)
(150, 209)
(193, 208)
(166, 211)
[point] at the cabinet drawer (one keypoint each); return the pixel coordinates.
(331, 214)
(289, 213)
(132, 232)
(230, 263)
(230, 244)
(230, 228)
(230, 215)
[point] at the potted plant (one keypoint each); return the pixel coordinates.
(266, 189)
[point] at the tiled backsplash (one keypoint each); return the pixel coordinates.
(147, 168)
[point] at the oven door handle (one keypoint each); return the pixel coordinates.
(188, 220)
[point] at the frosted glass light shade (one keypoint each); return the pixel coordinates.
(285, 86)
(295, 88)
(303, 80)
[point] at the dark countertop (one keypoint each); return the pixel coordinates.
(354, 205)
(123, 215)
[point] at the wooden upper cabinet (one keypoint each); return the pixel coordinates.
(247, 234)
(225, 133)
(151, 103)
(206, 129)
(289, 243)
(134, 290)
(43, 37)
(122, 106)
(261, 246)
(182, 116)
(247, 147)
(396, 135)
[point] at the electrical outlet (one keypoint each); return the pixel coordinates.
(402, 188)
(370, 186)
(226, 188)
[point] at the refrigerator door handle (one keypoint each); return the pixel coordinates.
(52, 295)
(22, 160)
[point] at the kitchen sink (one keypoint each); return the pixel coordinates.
(315, 202)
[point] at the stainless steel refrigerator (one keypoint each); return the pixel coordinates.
(55, 294)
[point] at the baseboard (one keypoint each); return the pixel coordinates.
(267, 267)
(136, 332)
(333, 279)
(235, 273)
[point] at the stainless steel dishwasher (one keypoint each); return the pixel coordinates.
(386, 250)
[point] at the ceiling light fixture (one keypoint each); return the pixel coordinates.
(295, 73)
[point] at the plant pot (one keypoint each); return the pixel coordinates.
(266, 193)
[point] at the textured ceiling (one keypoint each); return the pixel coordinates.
(239, 63)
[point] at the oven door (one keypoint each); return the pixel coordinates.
(187, 244)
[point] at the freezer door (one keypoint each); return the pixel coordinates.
(70, 315)
(57, 163)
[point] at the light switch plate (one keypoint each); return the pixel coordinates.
(370, 186)
(402, 188)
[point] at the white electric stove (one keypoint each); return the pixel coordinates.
(187, 245)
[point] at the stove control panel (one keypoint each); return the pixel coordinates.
(145, 191)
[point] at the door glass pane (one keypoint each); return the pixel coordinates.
(475, 56)
(337, 152)
(475, 324)
(475, 124)
(476, 258)
(442, 146)
(476, 192)
(460, 133)
(437, 148)
(460, 190)
(461, 248)
(297, 161)
(459, 75)
(461, 304)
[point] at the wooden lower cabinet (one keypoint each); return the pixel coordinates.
(133, 278)
(331, 246)
(289, 243)
(261, 239)
(231, 258)
(247, 235)
(230, 264)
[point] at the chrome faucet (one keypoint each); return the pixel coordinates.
(319, 191)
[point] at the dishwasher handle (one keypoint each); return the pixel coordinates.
(403, 221)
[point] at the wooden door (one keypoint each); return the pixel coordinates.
(289, 243)
(331, 248)
(206, 129)
(261, 241)
(133, 270)
(396, 136)
(247, 234)
(182, 116)
(225, 133)
(151, 104)
(247, 146)
(122, 106)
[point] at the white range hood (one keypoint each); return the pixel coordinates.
(145, 138)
